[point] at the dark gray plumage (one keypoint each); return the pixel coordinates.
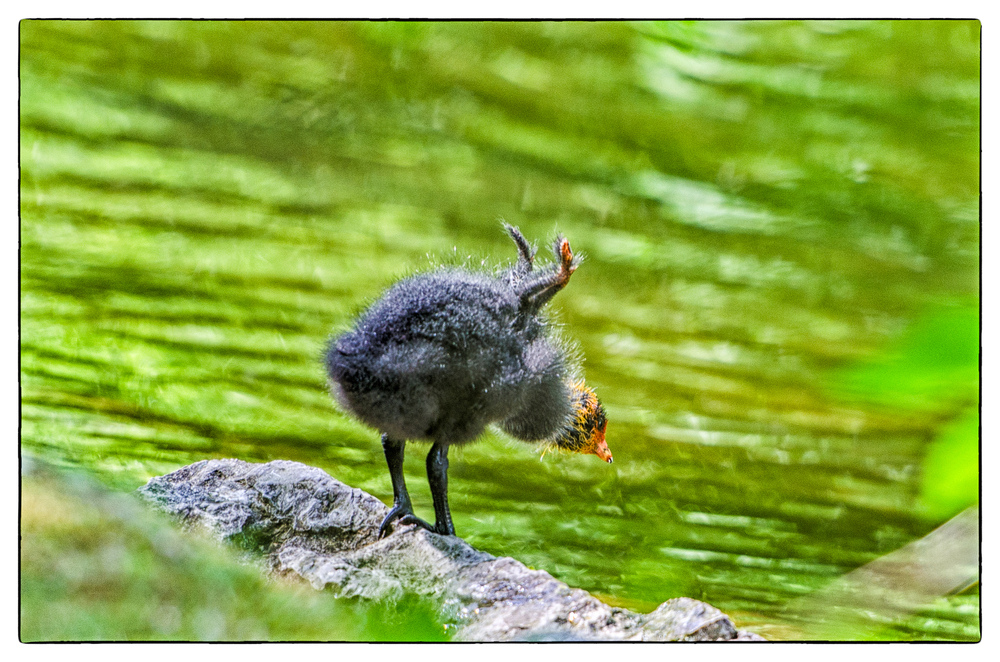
(444, 354)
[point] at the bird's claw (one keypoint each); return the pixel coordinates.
(405, 516)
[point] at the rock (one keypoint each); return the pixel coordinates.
(299, 521)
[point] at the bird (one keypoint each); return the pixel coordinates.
(444, 353)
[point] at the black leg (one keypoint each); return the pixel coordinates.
(437, 476)
(401, 508)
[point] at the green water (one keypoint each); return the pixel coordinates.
(778, 306)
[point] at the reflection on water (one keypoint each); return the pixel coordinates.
(766, 209)
(908, 580)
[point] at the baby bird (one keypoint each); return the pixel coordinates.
(443, 354)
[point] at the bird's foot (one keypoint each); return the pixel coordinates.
(405, 516)
(444, 528)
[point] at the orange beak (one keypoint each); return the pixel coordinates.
(600, 447)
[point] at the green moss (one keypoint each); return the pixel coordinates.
(97, 566)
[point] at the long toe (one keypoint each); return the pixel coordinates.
(397, 512)
(383, 528)
(413, 519)
(405, 516)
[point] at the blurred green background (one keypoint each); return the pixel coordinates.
(779, 305)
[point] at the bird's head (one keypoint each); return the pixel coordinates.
(584, 433)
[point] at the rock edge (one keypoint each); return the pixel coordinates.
(300, 521)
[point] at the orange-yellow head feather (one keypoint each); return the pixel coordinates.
(584, 433)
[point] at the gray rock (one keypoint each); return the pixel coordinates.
(299, 521)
